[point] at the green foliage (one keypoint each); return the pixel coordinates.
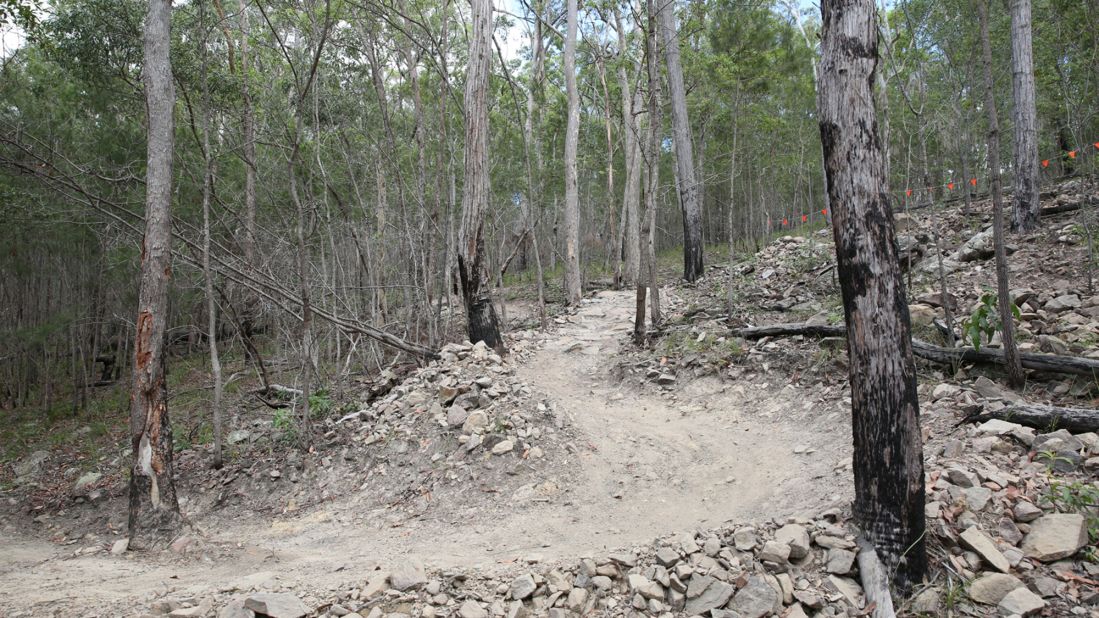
(985, 320)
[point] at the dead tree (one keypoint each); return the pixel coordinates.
(1026, 211)
(154, 509)
(689, 201)
(472, 272)
(1015, 374)
(888, 453)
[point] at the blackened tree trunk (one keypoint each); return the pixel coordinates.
(689, 201)
(573, 286)
(1003, 298)
(1026, 211)
(154, 509)
(480, 313)
(888, 456)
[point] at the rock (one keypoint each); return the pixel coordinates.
(602, 582)
(1055, 536)
(848, 588)
(376, 583)
(236, 609)
(407, 575)
(456, 416)
(645, 587)
(840, 561)
(522, 587)
(1021, 602)
(756, 599)
(578, 597)
(120, 546)
(961, 477)
(1063, 302)
(977, 498)
(980, 543)
(476, 420)
(775, 551)
(1053, 345)
(991, 588)
(85, 482)
(666, 557)
(921, 315)
(188, 612)
(1026, 512)
(745, 539)
(504, 446)
(238, 435)
(31, 464)
(276, 605)
(797, 537)
(944, 390)
(705, 593)
(979, 247)
(665, 379)
(927, 602)
(472, 609)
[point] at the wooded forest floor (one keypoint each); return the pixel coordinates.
(581, 475)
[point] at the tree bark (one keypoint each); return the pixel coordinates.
(1015, 374)
(154, 509)
(1026, 211)
(472, 272)
(249, 313)
(684, 154)
(207, 272)
(631, 104)
(888, 452)
(573, 286)
(652, 190)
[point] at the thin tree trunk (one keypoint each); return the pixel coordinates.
(888, 457)
(631, 150)
(533, 143)
(656, 132)
(480, 313)
(1026, 211)
(207, 272)
(1007, 321)
(573, 286)
(248, 242)
(612, 225)
(154, 509)
(681, 138)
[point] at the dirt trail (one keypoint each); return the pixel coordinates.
(649, 465)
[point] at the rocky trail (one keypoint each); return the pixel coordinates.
(646, 460)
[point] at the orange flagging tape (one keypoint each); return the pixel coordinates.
(1045, 162)
(973, 182)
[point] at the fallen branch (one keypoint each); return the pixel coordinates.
(1044, 418)
(947, 356)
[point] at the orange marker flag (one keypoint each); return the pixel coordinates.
(824, 211)
(973, 182)
(950, 186)
(1072, 154)
(1096, 144)
(908, 192)
(785, 222)
(1045, 162)
(804, 218)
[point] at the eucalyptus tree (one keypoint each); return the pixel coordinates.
(888, 452)
(154, 508)
(1026, 210)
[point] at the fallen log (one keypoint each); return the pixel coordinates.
(928, 351)
(875, 581)
(1042, 418)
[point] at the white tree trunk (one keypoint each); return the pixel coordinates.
(573, 288)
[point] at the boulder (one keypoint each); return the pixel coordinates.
(276, 605)
(756, 599)
(797, 537)
(991, 588)
(1055, 536)
(706, 593)
(522, 587)
(979, 542)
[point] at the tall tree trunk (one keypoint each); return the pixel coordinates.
(573, 286)
(681, 138)
(480, 313)
(612, 225)
(154, 509)
(533, 152)
(631, 104)
(248, 242)
(1007, 320)
(652, 189)
(888, 457)
(207, 272)
(1026, 211)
